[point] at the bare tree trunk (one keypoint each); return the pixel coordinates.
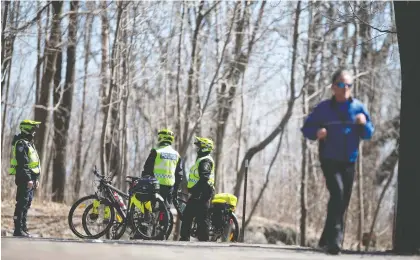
(228, 91)
(303, 186)
(225, 95)
(57, 126)
(6, 100)
(305, 151)
(50, 52)
(109, 137)
(359, 161)
(191, 71)
(104, 75)
(241, 120)
(3, 28)
(366, 65)
(46, 187)
(78, 165)
(62, 115)
(7, 46)
(39, 63)
(315, 48)
(407, 220)
(125, 90)
(178, 109)
(178, 75)
(188, 135)
(391, 162)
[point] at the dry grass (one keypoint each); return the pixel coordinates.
(47, 219)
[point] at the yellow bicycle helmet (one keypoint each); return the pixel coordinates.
(204, 144)
(28, 126)
(166, 135)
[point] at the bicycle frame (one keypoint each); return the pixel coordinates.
(109, 189)
(116, 216)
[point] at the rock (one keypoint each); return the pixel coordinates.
(272, 240)
(255, 238)
(279, 243)
(283, 234)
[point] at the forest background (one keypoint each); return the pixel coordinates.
(104, 76)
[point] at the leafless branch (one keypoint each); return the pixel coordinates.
(368, 24)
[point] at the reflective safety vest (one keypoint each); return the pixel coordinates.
(34, 162)
(165, 165)
(194, 176)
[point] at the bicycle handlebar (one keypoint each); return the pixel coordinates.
(95, 171)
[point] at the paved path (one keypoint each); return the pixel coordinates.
(73, 249)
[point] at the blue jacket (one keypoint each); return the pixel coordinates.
(343, 134)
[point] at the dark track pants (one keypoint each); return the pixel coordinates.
(198, 209)
(24, 197)
(339, 178)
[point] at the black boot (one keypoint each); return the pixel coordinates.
(25, 230)
(24, 226)
(184, 239)
(333, 249)
(20, 233)
(18, 228)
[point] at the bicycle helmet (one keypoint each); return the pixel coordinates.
(28, 126)
(204, 144)
(165, 135)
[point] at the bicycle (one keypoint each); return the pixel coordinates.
(99, 205)
(221, 215)
(116, 216)
(156, 217)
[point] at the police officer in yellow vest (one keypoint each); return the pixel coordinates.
(201, 188)
(26, 166)
(165, 164)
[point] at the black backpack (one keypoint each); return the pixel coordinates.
(145, 188)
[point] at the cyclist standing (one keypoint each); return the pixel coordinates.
(201, 188)
(26, 166)
(165, 164)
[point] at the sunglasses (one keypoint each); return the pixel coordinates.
(343, 85)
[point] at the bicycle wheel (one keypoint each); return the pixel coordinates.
(150, 225)
(118, 228)
(83, 203)
(232, 230)
(101, 227)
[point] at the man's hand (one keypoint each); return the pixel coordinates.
(360, 119)
(30, 184)
(321, 134)
(36, 184)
